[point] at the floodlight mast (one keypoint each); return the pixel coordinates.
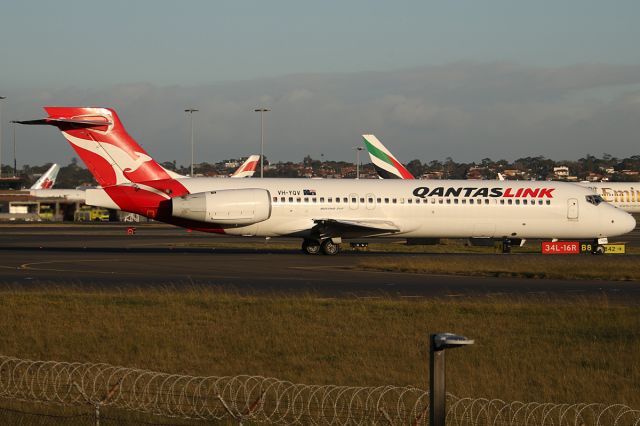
(262, 111)
(191, 111)
(1, 98)
(437, 382)
(358, 149)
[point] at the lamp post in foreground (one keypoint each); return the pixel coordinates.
(437, 389)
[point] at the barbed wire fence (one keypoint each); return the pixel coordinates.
(89, 391)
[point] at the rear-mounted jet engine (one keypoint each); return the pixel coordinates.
(228, 207)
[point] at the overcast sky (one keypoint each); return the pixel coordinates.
(462, 79)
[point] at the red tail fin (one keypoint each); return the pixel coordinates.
(109, 152)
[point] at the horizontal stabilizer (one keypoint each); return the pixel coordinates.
(64, 121)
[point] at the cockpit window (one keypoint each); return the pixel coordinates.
(594, 199)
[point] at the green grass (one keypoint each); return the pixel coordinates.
(530, 350)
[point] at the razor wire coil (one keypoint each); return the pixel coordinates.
(268, 400)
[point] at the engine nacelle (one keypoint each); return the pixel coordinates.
(226, 207)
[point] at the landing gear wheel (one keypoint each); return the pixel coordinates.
(506, 245)
(329, 247)
(311, 246)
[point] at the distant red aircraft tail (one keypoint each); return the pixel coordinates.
(248, 168)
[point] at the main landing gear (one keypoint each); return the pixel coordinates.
(326, 246)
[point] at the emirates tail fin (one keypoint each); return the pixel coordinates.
(386, 165)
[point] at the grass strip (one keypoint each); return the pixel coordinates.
(526, 349)
(570, 267)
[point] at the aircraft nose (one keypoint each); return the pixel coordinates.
(624, 222)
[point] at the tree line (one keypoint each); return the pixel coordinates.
(539, 168)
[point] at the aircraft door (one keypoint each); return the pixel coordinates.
(370, 201)
(572, 209)
(353, 201)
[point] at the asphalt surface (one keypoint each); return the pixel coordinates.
(160, 256)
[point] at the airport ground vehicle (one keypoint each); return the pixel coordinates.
(91, 214)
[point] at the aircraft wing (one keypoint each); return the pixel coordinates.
(353, 228)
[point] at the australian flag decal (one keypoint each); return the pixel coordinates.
(308, 192)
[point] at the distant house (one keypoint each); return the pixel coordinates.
(432, 175)
(475, 173)
(595, 177)
(561, 172)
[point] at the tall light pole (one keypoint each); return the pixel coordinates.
(191, 111)
(13, 128)
(262, 111)
(358, 149)
(1, 98)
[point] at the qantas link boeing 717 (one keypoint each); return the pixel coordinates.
(323, 212)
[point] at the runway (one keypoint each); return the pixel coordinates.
(158, 256)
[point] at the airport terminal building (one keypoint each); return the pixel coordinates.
(20, 206)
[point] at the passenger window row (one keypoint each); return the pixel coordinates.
(380, 200)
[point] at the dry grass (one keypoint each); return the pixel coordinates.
(526, 350)
(608, 267)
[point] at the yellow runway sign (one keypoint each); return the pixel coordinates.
(614, 248)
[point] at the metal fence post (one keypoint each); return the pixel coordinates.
(437, 390)
(437, 380)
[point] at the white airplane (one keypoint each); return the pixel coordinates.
(323, 212)
(43, 187)
(48, 179)
(623, 195)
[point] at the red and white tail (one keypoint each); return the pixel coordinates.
(130, 178)
(48, 179)
(248, 168)
(101, 141)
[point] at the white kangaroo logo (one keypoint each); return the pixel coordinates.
(119, 159)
